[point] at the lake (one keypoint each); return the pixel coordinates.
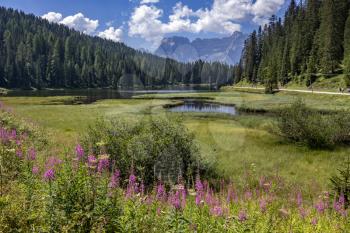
(87, 96)
(203, 107)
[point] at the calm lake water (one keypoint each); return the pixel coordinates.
(205, 107)
(86, 96)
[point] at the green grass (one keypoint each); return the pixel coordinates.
(237, 144)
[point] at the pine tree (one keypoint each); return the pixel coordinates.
(331, 34)
(347, 51)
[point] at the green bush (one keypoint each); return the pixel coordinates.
(302, 124)
(153, 148)
(341, 182)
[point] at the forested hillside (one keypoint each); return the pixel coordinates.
(37, 54)
(312, 40)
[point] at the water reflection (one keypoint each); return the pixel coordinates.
(205, 107)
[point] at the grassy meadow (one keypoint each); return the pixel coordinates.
(237, 144)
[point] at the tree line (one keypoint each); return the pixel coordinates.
(35, 53)
(313, 39)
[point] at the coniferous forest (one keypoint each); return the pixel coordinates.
(37, 54)
(312, 40)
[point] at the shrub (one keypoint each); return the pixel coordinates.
(302, 124)
(341, 182)
(153, 148)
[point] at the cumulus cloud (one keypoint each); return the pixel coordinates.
(81, 23)
(149, 1)
(78, 22)
(224, 16)
(52, 17)
(114, 34)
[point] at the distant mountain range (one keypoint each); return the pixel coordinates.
(227, 50)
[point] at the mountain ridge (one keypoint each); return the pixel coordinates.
(226, 50)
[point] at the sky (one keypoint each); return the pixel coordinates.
(144, 23)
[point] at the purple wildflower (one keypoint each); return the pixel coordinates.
(175, 200)
(217, 211)
(299, 199)
(339, 205)
(242, 216)
(320, 206)
(314, 221)
(31, 154)
(199, 187)
(161, 194)
(103, 163)
(52, 162)
(49, 175)
(79, 150)
(303, 213)
(114, 182)
(248, 195)
(92, 161)
(231, 196)
(263, 205)
(35, 170)
(19, 153)
(132, 186)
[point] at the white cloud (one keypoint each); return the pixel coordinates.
(78, 21)
(52, 17)
(114, 34)
(81, 23)
(149, 1)
(224, 17)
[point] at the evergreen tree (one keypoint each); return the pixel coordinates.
(35, 53)
(347, 51)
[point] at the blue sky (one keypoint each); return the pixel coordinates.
(143, 23)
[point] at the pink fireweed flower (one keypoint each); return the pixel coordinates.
(248, 195)
(159, 211)
(92, 161)
(103, 163)
(19, 153)
(132, 179)
(231, 196)
(79, 150)
(175, 200)
(161, 194)
(114, 182)
(264, 184)
(199, 187)
(52, 162)
(320, 206)
(263, 205)
(209, 198)
(303, 213)
(299, 199)
(49, 175)
(242, 216)
(314, 221)
(198, 200)
(217, 211)
(35, 170)
(339, 205)
(132, 186)
(31, 156)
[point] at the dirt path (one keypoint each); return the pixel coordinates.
(300, 91)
